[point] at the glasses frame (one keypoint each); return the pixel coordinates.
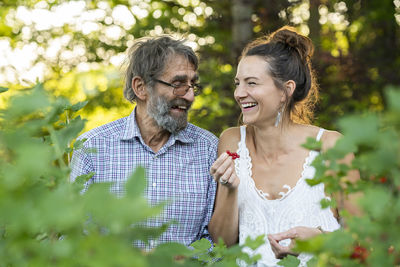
(196, 87)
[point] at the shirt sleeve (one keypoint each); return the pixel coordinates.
(212, 187)
(81, 164)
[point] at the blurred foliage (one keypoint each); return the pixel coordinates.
(357, 49)
(371, 239)
(46, 221)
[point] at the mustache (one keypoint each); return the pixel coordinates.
(180, 102)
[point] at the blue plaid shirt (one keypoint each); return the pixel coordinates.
(179, 171)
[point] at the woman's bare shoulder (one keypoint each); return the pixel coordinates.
(329, 139)
(229, 139)
(233, 132)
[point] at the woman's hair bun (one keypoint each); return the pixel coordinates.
(291, 38)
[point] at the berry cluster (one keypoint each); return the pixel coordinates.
(234, 155)
(360, 253)
(382, 179)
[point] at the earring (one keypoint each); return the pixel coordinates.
(279, 117)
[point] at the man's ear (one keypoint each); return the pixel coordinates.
(139, 88)
(290, 86)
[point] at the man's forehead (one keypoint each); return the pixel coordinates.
(185, 77)
(179, 67)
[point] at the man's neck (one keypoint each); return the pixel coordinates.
(153, 136)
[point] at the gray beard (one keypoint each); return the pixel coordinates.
(158, 109)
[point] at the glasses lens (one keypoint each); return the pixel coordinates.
(181, 90)
(197, 89)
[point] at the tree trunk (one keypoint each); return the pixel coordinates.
(313, 23)
(242, 26)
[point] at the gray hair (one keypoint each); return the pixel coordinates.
(148, 57)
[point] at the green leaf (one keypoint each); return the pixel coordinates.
(289, 261)
(200, 250)
(338, 242)
(145, 234)
(312, 144)
(254, 243)
(202, 245)
(77, 106)
(375, 202)
(393, 98)
(136, 183)
(313, 181)
(166, 253)
(28, 102)
(65, 135)
(3, 89)
(57, 109)
(360, 129)
(79, 143)
(325, 203)
(80, 181)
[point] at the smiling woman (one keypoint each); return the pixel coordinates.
(251, 79)
(264, 192)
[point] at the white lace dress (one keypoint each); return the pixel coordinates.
(299, 206)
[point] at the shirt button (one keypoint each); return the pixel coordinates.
(154, 184)
(156, 157)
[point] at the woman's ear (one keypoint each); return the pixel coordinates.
(290, 86)
(139, 88)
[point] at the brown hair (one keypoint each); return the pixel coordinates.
(288, 54)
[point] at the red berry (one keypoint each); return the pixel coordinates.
(382, 179)
(234, 155)
(359, 252)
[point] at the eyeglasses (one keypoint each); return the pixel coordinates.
(180, 89)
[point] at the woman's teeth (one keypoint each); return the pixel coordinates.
(249, 105)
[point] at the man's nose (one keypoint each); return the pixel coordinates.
(189, 96)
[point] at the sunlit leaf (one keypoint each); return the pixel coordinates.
(77, 106)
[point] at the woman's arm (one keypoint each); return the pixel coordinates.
(347, 202)
(225, 220)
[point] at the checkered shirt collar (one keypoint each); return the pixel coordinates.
(132, 130)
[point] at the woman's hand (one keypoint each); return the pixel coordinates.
(223, 171)
(299, 232)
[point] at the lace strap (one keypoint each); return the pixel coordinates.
(242, 142)
(320, 133)
(243, 134)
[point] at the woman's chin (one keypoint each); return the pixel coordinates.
(248, 121)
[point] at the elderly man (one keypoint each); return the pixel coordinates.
(162, 79)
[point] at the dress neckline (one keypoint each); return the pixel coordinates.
(247, 158)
